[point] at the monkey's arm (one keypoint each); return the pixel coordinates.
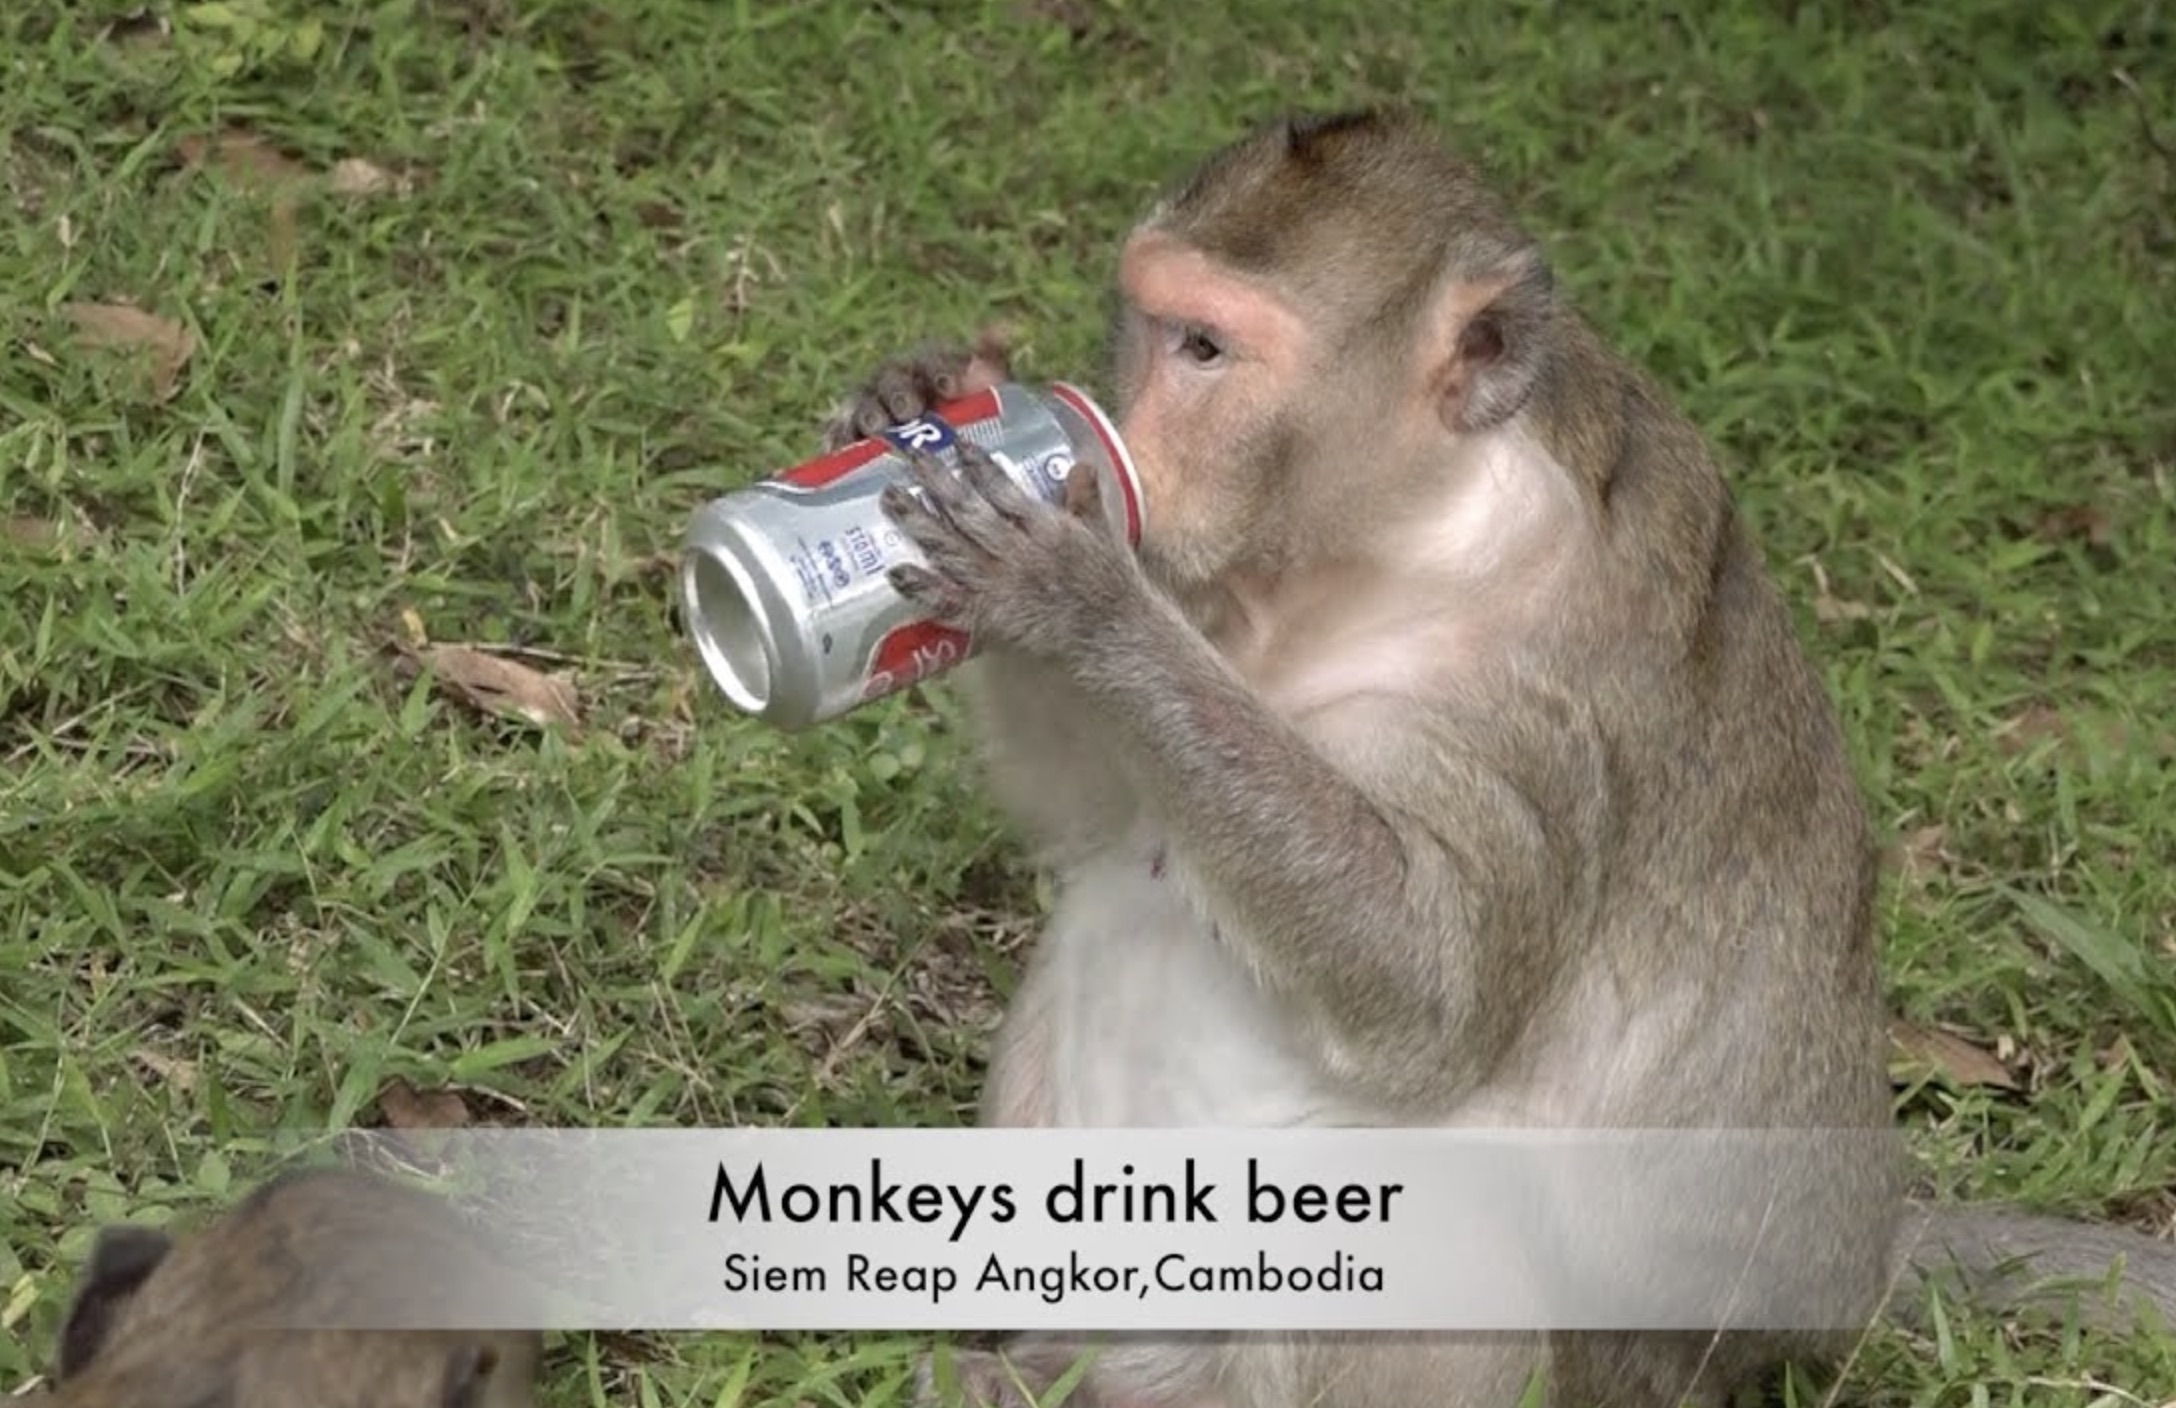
(1416, 895)
(1402, 883)
(1049, 764)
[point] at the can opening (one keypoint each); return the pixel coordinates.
(728, 628)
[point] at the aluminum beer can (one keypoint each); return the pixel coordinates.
(785, 584)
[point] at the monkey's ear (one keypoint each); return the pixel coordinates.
(468, 1371)
(1489, 337)
(121, 1257)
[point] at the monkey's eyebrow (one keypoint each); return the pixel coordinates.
(1181, 285)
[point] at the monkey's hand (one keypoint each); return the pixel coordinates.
(905, 387)
(1008, 569)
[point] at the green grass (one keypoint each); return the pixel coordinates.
(1909, 265)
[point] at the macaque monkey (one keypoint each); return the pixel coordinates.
(203, 1323)
(1445, 756)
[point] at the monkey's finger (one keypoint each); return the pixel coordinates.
(988, 478)
(917, 584)
(939, 483)
(977, 520)
(943, 371)
(913, 514)
(857, 416)
(930, 593)
(1084, 493)
(953, 551)
(966, 512)
(872, 417)
(956, 556)
(904, 390)
(838, 430)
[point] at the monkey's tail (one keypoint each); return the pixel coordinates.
(2007, 1260)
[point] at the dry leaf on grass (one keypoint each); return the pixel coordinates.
(250, 163)
(1950, 1057)
(172, 1071)
(2015, 735)
(404, 1107)
(1828, 608)
(1924, 851)
(34, 533)
(650, 567)
(165, 343)
(353, 176)
(253, 164)
(244, 158)
(2042, 723)
(2087, 521)
(2153, 1209)
(1077, 17)
(504, 687)
(144, 28)
(422, 1122)
(1084, 20)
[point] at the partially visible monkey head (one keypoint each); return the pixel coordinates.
(1326, 282)
(157, 1323)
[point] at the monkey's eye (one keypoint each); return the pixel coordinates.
(1199, 346)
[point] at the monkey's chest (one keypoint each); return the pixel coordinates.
(1154, 1022)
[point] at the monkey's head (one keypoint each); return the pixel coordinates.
(157, 1323)
(1325, 283)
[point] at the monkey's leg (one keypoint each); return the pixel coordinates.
(1018, 1092)
(1689, 1370)
(1388, 1370)
(1120, 1372)
(1263, 1371)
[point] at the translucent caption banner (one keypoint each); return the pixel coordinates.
(1094, 1230)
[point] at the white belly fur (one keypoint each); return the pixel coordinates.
(1154, 1024)
(1159, 1026)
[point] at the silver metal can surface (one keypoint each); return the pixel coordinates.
(785, 582)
